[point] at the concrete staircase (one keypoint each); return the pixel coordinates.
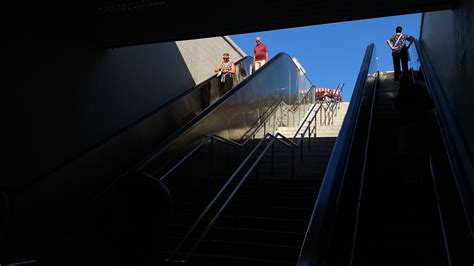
(266, 221)
(325, 128)
(331, 126)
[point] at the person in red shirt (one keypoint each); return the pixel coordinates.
(260, 54)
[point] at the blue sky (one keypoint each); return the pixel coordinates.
(331, 53)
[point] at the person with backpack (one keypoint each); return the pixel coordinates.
(399, 50)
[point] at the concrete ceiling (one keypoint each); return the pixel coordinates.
(115, 23)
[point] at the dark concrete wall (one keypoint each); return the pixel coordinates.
(83, 95)
(447, 37)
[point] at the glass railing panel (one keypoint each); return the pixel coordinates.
(183, 108)
(240, 112)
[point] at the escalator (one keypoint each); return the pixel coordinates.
(114, 226)
(405, 229)
(20, 202)
(395, 191)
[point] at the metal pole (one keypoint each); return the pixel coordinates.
(271, 171)
(227, 159)
(309, 136)
(315, 128)
(274, 117)
(292, 164)
(210, 156)
(288, 118)
(320, 117)
(257, 171)
(302, 141)
(190, 166)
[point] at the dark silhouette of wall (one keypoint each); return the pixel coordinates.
(447, 37)
(83, 95)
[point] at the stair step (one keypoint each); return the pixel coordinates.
(220, 233)
(201, 258)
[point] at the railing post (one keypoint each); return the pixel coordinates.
(320, 117)
(315, 128)
(274, 117)
(302, 142)
(211, 148)
(292, 164)
(288, 118)
(299, 116)
(190, 166)
(227, 159)
(309, 135)
(257, 171)
(271, 170)
(304, 106)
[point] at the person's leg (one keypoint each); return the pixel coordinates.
(257, 65)
(404, 59)
(396, 65)
(220, 85)
(228, 83)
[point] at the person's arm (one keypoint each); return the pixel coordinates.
(232, 69)
(390, 44)
(218, 67)
(254, 56)
(412, 39)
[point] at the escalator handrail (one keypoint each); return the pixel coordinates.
(118, 133)
(235, 143)
(276, 137)
(291, 109)
(189, 125)
(364, 168)
(316, 240)
(218, 138)
(458, 156)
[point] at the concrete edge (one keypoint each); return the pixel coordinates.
(234, 46)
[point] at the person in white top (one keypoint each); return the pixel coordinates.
(225, 70)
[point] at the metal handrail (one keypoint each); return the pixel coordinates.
(188, 126)
(307, 115)
(316, 239)
(277, 137)
(364, 167)
(333, 105)
(216, 197)
(231, 142)
(457, 154)
(219, 138)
